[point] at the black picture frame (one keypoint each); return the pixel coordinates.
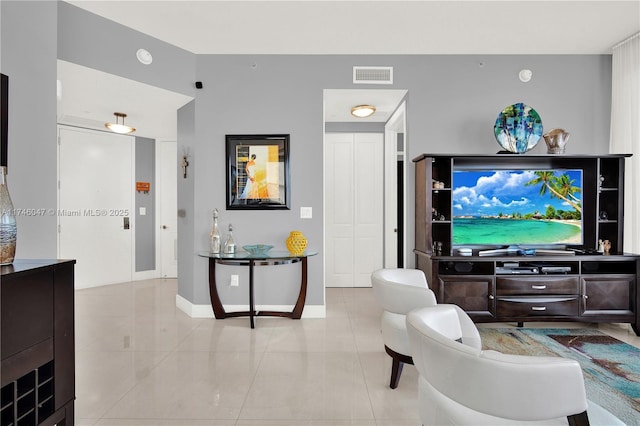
(258, 172)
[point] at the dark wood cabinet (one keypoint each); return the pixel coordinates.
(594, 289)
(470, 292)
(37, 342)
(585, 286)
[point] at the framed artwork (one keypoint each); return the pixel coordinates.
(258, 172)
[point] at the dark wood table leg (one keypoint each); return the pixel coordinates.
(252, 309)
(216, 304)
(297, 309)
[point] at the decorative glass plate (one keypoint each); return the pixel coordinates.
(518, 128)
(257, 249)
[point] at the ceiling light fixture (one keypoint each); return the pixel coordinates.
(118, 127)
(144, 56)
(525, 75)
(363, 111)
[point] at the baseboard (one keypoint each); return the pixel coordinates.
(206, 311)
(145, 275)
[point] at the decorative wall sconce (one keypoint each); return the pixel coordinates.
(185, 164)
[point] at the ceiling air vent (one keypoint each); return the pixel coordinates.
(373, 75)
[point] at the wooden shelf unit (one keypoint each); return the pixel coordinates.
(590, 288)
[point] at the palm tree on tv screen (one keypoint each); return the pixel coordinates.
(561, 187)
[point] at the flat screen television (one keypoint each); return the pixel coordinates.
(524, 208)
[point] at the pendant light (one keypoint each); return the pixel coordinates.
(118, 127)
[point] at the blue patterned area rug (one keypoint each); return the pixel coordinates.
(611, 368)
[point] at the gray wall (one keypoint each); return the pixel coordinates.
(452, 103)
(95, 42)
(185, 201)
(28, 57)
(145, 226)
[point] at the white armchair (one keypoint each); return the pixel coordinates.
(399, 291)
(464, 385)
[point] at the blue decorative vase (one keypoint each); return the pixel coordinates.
(518, 128)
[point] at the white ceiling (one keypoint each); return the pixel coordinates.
(335, 27)
(379, 27)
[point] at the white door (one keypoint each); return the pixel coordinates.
(392, 154)
(168, 205)
(354, 208)
(95, 202)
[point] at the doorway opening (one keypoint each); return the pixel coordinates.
(380, 232)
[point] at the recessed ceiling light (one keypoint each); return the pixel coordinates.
(144, 56)
(362, 111)
(525, 75)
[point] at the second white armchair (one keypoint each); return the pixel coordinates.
(399, 291)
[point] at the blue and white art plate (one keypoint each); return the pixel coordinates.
(518, 128)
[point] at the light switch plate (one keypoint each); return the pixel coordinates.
(235, 282)
(306, 212)
(143, 211)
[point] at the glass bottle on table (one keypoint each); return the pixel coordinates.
(230, 244)
(214, 237)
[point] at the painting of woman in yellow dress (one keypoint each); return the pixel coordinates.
(258, 171)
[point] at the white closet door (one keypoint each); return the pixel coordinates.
(369, 207)
(95, 199)
(354, 208)
(167, 175)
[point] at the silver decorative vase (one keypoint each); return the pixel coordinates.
(8, 228)
(556, 140)
(214, 236)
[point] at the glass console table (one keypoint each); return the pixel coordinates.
(242, 258)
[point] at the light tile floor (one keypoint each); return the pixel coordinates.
(140, 361)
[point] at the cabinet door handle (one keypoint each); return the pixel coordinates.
(538, 308)
(491, 297)
(538, 287)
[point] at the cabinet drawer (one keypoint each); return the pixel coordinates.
(537, 306)
(507, 286)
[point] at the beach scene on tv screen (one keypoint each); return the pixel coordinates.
(517, 207)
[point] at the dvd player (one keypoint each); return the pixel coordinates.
(555, 269)
(525, 270)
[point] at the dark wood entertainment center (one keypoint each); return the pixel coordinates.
(511, 287)
(37, 343)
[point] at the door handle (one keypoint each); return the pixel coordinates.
(164, 227)
(126, 223)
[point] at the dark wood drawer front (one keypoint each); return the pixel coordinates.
(27, 311)
(537, 306)
(507, 286)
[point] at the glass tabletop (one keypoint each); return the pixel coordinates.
(244, 255)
